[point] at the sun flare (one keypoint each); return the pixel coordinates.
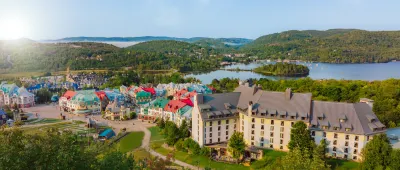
(12, 29)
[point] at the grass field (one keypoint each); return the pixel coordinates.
(131, 141)
(46, 120)
(76, 127)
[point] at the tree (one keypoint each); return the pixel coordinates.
(395, 159)
(320, 150)
(171, 132)
(301, 159)
(161, 123)
(236, 145)
(116, 160)
(377, 152)
(300, 137)
(184, 130)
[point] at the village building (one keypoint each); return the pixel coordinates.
(116, 111)
(84, 102)
(265, 118)
(154, 110)
(11, 94)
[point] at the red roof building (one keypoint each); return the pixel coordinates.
(101, 94)
(191, 94)
(178, 95)
(174, 105)
(187, 101)
(69, 94)
(138, 90)
(150, 90)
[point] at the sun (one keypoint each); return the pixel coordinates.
(11, 28)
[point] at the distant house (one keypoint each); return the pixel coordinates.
(11, 94)
(85, 102)
(115, 111)
(3, 117)
(154, 110)
(142, 97)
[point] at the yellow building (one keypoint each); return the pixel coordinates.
(266, 118)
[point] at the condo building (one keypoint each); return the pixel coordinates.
(265, 118)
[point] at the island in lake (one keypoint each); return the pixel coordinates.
(283, 69)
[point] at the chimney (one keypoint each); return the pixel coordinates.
(288, 94)
(250, 108)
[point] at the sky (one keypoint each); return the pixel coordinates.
(54, 19)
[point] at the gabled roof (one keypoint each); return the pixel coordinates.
(150, 90)
(160, 103)
(187, 101)
(174, 105)
(69, 94)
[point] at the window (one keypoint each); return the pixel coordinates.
(346, 150)
(253, 120)
(219, 122)
(262, 127)
(271, 146)
(355, 151)
(210, 140)
(354, 157)
(219, 133)
(281, 147)
(271, 134)
(334, 149)
(262, 139)
(227, 121)
(312, 133)
(262, 120)
(292, 117)
(342, 120)
(242, 122)
(226, 137)
(226, 133)
(282, 123)
(210, 135)
(281, 135)
(345, 156)
(219, 140)
(252, 137)
(210, 123)
(282, 129)
(347, 137)
(367, 138)
(272, 122)
(356, 145)
(262, 133)
(262, 144)
(271, 140)
(346, 143)
(234, 120)
(271, 128)
(234, 126)
(252, 132)
(324, 134)
(253, 126)
(281, 142)
(348, 129)
(242, 128)
(356, 138)
(219, 128)
(325, 127)
(335, 128)
(334, 142)
(335, 135)
(303, 118)
(291, 124)
(227, 127)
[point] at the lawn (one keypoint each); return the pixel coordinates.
(76, 127)
(343, 164)
(46, 120)
(157, 140)
(131, 141)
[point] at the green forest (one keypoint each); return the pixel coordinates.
(332, 46)
(153, 55)
(385, 93)
(283, 69)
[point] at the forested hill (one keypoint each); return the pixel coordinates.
(154, 55)
(334, 46)
(223, 44)
(123, 39)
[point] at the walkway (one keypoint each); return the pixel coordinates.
(145, 145)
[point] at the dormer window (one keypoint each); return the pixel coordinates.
(348, 129)
(292, 117)
(336, 128)
(342, 120)
(325, 127)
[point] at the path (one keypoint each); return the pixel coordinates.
(145, 145)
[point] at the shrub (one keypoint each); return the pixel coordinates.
(180, 146)
(205, 151)
(133, 115)
(192, 146)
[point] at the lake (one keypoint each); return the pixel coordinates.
(370, 71)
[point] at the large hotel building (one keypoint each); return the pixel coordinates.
(266, 118)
